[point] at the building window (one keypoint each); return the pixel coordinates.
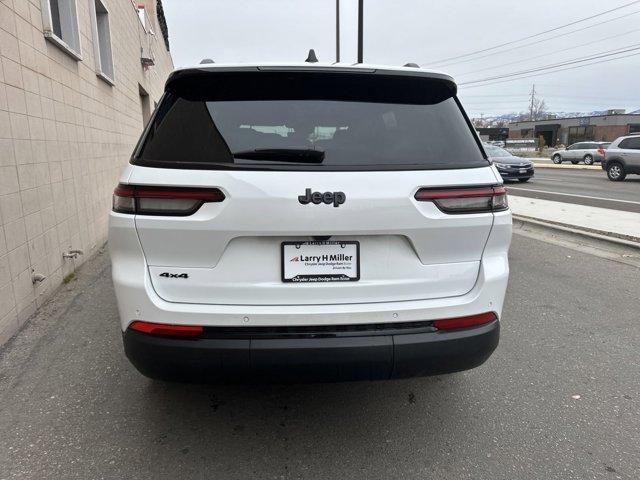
(581, 134)
(145, 104)
(634, 128)
(102, 41)
(60, 22)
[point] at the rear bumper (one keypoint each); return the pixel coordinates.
(330, 355)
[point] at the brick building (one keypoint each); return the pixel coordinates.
(78, 80)
(571, 130)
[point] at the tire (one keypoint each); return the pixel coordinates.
(615, 172)
(588, 159)
(575, 162)
(557, 159)
(523, 180)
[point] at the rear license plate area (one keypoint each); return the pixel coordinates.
(320, 262)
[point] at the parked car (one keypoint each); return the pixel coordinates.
(623, 158)
(309, 222)
(587, 152)
(509, 166)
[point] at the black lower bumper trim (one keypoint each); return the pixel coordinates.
(309, 359)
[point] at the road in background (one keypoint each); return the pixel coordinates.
(582, 187)
(560, 398)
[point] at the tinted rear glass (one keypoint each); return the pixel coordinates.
(355, 121)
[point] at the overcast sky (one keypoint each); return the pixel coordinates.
(423, 31)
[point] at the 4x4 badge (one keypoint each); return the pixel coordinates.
(337, 198)
(174, 275)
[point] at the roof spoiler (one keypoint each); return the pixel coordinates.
(206, 70)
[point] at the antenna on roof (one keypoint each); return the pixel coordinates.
(206, 60)
(412, 65)
(311, 58)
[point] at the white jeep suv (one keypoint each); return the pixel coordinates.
(309, 223)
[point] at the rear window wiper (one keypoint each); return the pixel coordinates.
(296, 155)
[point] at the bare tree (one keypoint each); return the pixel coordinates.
(539, 110)
(479, 122)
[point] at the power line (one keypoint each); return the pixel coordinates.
(579, 97)
(498, 95)
(586, 97)
(554, 71)
(546, 54)
(472, 102)
(605, 54)
(540, 41)
(567, 101)
(537, 34)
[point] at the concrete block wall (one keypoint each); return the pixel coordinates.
(65, 135)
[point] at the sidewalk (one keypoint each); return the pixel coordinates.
(601, 221)
(539, 162)
(566, 166)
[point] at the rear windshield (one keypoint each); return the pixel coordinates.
(295, 121)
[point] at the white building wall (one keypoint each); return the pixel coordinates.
(65, 135)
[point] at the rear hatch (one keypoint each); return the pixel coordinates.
(318, 181)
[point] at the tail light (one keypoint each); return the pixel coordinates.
(162, 330)
(465, 322)
(171, 201)
(601, 151)
(466, 200)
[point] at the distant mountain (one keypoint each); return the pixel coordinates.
(515, 117)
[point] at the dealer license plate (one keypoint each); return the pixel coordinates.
(331, 261)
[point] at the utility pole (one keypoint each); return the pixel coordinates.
(533, 102)
(337, 31)
(360, 33)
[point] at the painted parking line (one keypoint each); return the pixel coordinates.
(588, 197)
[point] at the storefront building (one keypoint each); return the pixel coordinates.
(567, 131)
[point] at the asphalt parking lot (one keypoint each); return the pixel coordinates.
(560, 398)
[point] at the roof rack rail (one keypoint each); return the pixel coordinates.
(311, 58)
(412, 65)
(206, 60)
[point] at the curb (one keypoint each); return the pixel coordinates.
(568, 167)
(618, 239)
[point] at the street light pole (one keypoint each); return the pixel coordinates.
(360, 33)
(337, 31)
